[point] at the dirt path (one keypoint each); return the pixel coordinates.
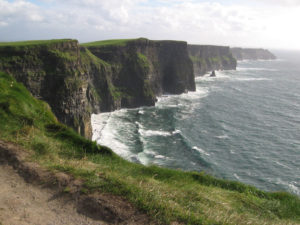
(31, 195)
(26, 204)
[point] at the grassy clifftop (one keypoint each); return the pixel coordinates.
(33, 43)
(123, 42)
(119, 42)
(166, 195)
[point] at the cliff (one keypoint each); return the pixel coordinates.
(62, 74)
(207, 58)
(76, 83)
(143, 69)
(252, 54)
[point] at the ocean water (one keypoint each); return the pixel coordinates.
(242, 125)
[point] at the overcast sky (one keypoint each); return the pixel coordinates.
(248, 23)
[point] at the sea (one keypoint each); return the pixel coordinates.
(242, 125)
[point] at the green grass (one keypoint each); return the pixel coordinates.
(122, 42)
(33, 42)
(117, 42)
(88, 57)
(194, 59)
(166, 195)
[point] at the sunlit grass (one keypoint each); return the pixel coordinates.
(33, 42)
(118, 42)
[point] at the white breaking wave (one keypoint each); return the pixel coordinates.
(281, 164)
(254, 69)
(250, 79)
(236, 176)
(176, 132)
(291, 185)
(222, 136)
(200, 150)
(174, 100)
(148, 133)
(105, 132)
(141, 112)
(207, 77)
(160, 157)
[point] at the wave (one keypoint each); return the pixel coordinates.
(254, 69)
(222, 136)
(170, 99)
(141, 112)
(292, 186)
(105, 132)
(221, 75)
(236, 176)
(148, 133)
(200, 150)
(207, 77)
(251, 79)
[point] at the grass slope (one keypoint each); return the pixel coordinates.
(33, 42)
(166, 195)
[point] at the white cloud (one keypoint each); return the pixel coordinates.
(20, 10)
(282, 2)
(194, 21)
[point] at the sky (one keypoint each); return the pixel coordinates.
(245, 23)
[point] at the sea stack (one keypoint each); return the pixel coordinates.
(213, 74)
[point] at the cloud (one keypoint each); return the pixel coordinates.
(19, 11)
(282, 2)
(194, 21)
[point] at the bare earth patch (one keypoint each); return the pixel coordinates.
(30, 195)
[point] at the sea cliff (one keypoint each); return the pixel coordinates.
(252, 54)
(207, 58)
(143, 69)
(77, 81)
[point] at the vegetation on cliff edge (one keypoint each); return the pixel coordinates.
(118, 42)
(166, 195)
(34, 43)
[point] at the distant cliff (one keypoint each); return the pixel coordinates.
(206, 58)
(252, 54)
(76, 83)
(143, 69)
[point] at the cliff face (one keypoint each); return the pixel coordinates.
(77, 83)
(143, 69)
(207, 58)
(62, 75)
(252, 54)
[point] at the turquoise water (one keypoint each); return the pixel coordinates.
(243, 125)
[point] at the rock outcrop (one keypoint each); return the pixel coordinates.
(207, 58)
(77, 81)
(252, 54)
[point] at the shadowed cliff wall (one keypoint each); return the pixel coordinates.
(144, 69)
(207, 58)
